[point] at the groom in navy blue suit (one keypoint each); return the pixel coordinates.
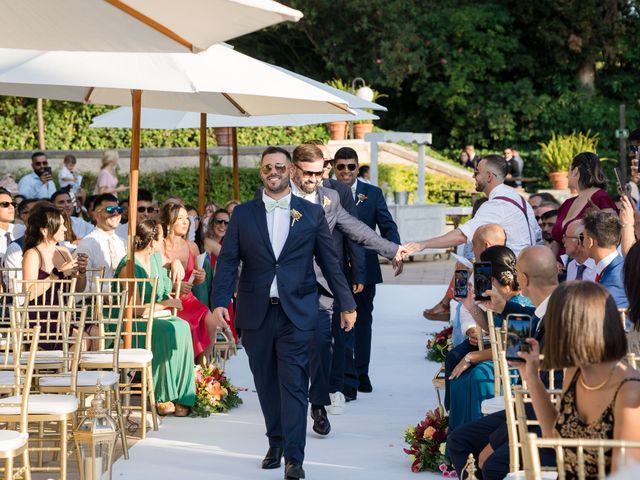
(276, 238)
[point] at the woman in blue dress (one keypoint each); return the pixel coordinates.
(472, 381)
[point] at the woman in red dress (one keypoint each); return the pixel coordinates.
(175, 223)
(587, 177)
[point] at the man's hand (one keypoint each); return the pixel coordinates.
(45, 177)
(472, 333)
(357, 287)
(221, 317)
(497, 302)
(413, 247)
(398, 266)
(347, 320)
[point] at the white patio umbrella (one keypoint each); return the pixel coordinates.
(218, 80)
(134, 25)
(172, 120)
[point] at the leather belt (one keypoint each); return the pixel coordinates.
(274, 301)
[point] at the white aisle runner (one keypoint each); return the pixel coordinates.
(365, 443)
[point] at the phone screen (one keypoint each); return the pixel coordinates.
(481, 279)
(518, 330)
(461, 278)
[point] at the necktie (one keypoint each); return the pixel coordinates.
(598, 277)
(271, 205)
(353, 189)
(581, 269)
(113, 257)
(9, 239)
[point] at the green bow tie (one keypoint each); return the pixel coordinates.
(271, 205)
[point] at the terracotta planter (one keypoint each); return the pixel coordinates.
(338, 130)
(223, 136)
(359, 129)
(559, 180)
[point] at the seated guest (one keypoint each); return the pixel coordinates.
(62, 200)
(487, 438)
(602, 233)
(536, 199)
(547, 221)
(472, 380)
(8, 230)
(145, 210)
(172, 364)
(601, 392)
(39, 183)
(581, 266)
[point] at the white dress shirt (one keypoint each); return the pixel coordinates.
(30, 186)
(104, 249)
(14, 232)
(278, 222)
(81, 227)
(354, 187)
(123, 232)
(605, 262)
(541, 311)
(589, 272)
(309, 197)
(508, 216)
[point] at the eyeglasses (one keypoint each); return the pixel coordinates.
(219, 221)
(580, 237)
(279, 167)
(342, 166)
(146, 209)
(328, 162)
(8, 204)
(113, 210)
(309, 173)
(42, 164)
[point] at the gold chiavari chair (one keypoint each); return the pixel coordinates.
(52, 412)
(15, 381)
(8, 277)
(580, 446)
(139, 357)
(102, 335)
(495, 404)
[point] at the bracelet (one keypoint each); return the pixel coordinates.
(625, 225)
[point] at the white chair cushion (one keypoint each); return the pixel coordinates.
(12, 440)
(42, 357)
(87, 378)
(520, 475)
(492, 405)
(41, 404)
(126, 355)
(8, 378)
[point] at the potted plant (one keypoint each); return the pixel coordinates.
(338, 130)
(558, 153)
(223, 136)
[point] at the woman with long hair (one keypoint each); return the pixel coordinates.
(601, 392)
(175, 223)
(587, 177)
(472, 380)
(172, 364)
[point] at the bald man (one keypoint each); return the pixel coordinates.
(487, 438)
(484, 237)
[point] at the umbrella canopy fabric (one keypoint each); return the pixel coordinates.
(219, 80)
(172, 119)
(134, 25)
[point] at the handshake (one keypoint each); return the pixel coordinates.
(402, 255)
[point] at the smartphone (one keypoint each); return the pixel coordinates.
(518, 330)
(460, 280)
(46, 170)
(481, 279)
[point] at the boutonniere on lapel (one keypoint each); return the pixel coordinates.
(295, 216)
(361, 198)
(326, 201)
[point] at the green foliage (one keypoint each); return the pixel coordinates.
(558, 152)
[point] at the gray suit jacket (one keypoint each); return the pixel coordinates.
(353, 229)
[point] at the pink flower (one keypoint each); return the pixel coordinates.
(453, 474)
(378, 61)
(446, 474)
(443, 467)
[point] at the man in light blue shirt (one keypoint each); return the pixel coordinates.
(39, 183)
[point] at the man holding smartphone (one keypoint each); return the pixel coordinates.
(39, 183)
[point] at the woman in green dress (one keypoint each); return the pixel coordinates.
(172, 365)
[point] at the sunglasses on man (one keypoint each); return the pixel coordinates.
(278, 167)
(328, 162)
(350, 166)
(8, 204)
(110, 210)
(146, 209)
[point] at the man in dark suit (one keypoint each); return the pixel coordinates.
(602, 234)
(372, 210)
(306, 176)
(276, 238)
(487, 438)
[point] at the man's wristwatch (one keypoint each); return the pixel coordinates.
(467, 358)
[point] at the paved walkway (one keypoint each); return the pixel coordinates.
(423, 271)
(365, 443)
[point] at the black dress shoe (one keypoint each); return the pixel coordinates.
(350, 393)
(293, 470)
(273, 458)
(321, 423)
(365, 384)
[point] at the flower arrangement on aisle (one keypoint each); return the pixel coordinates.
(427, 443)
(438, 345)
(214, 392)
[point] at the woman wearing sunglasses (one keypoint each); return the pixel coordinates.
(175, 223)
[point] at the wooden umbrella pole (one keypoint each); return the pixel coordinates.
(236, 171)
(203, 162)
(136, 104)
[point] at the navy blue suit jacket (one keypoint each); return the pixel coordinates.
(247, 241)
(613, 280)
(372, 210)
